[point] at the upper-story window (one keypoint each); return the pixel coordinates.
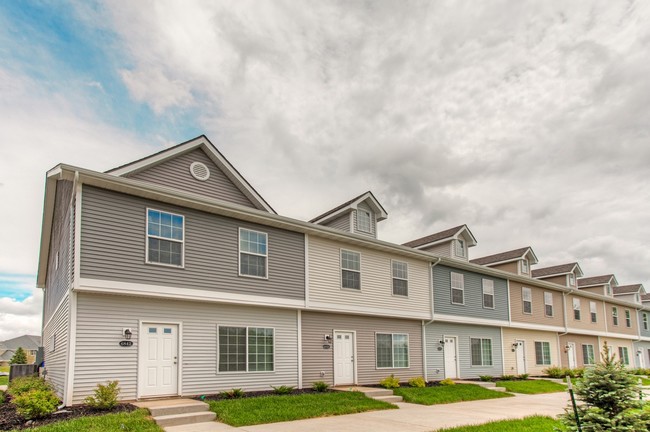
(645, 321)
(527, 300)
(628, 318)
(488, 294)
(457, 288)
(400, 278)
(608, 289)
(572, 279)
(594, 312)
(253, 253)
(524, 266)
(165, 238)
(615, 315)
(460, 247)
(576, 309)
(350, 269)
(548, 304)
(364, 221)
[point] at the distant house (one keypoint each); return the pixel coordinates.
(29, 343)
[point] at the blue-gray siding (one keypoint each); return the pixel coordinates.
(113, 248)
(644, 332)
(341, 223)
(645, 352)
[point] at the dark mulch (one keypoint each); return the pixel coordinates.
(10, 419)
(222, 396)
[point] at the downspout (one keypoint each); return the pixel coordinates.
(424, 324)
(566, 327)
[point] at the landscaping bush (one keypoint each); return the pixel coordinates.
(417, 382)
(508, 378)
(282, 390)
(19, 357)
(320, 386)
(447, 382)
(2, 397)
(105, 396)
(389, 382)
(235, 393)
(486, 378)
(559, 372)
(35, 403)
(640, 371)
(523, 376)
(21, 385)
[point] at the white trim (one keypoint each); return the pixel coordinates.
(615, 323)
(425, 371)
(72, 350)
(147, 235)
(370, 220)
(509, 303)
(549, 304)
(528, 326)
(341, 250)
(65, 296)
(299, 347)
(470, 320)
(239, 252)
(392, 347)
(354, 350)
(179, 351)
(395, 313)
(444, 369)
(378, 210)
(483, 280)
(193, 165)
(218, 372)
(77, 233)
(503, 353)
(602, 334)
(523, 301)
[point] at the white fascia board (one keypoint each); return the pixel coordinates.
(465, 229)
(364, 310)
(540, 327)
(456, 319)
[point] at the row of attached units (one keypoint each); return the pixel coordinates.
(172, 275)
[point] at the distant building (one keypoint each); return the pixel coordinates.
(29, 343)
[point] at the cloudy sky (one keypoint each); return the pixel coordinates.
(529, 121)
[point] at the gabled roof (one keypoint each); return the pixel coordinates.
(558, 270)
(505, 257)
(7, 355)
(596, 281)
(645, 298)
(211, 151)
(27, 342)
(628, 289)
(352, 204)
(441, 236)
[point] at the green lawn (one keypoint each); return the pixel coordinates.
(528, 424)
(447, 394)
(4, 380)
(4, 369)
(272, 409)
(532, 386)
(135, 421)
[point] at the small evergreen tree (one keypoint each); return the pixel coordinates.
(19, 357)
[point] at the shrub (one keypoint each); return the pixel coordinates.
(486, 378)
(2, 397)
(21, 385)
(320, 386)
(508, 377)
(282, 390)
(19, 357)
(523, 376)
(36, 403)
(235, 393)
(447, 382)
(105, 396)
(389, 382)
(417, 382)
(554, 372)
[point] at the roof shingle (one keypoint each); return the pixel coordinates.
(448, 233)
(595, 280)
(626, 289)
(554, 270)
(503, 256)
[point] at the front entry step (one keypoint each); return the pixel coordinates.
(178, 412)
(374, 393)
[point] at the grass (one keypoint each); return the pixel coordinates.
(4, 380)
(532, 386)
(4, 369)
(272, 409)
(528, 424)
(447, 394)
(135, 421)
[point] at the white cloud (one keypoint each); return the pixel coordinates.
(21, 317)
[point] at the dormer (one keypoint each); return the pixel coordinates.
(602, 285)
(645, 300)
(360, 215)
(563, 274)
(453, 243)
(516, 261)
(631, 293)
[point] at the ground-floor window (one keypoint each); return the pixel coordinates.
(245, 349)
(624, 355)
(481, 351)
(543, 353)
(392, 350)
(588, 354)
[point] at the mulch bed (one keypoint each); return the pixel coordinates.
(10, 419)
(222, 396)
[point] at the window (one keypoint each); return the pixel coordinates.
(548, 304)
(615, 315)
(576, 309)
(457, 288)
(364, 221)
(488, 294)
(594, 313)
(460, 248)
(350, 270)
(588, 354)
(624, 355)
(53, 343)
(572, 279)
(527, 299)
(524, 266)
(608, 289)
(628, 318)
(245, 349)
(392, 350)
(165, 234)
(400, 278)
(543, 353)
(481, 351)
(253, 253)
(645, 321)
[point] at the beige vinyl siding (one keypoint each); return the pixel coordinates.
(579, 340)
(596, 290)
(585, 314)
(113, 242)
(614, 344)
(538, 316)
(510, 335)
(622, 327)
(376, 281)
(511, 267)
(56, 361)
(99, 357)
(373, 221)
(560, 280)
(341, 223)
(175, 173)
(442, 249)
(316, 359)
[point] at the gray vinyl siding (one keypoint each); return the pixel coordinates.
(645, 352)
(442, 249)
(56, 361)
(435, 357)
(113, 248)
(58, 280)
(175, 173)
(373, 221)
(99, 357)
(341, 223)
(644, 333)
(316, 359)
(473, 306)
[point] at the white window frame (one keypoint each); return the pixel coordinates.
(645, 321)
(392, 270)
(625, 359)
(577, 302)
(392, 347)
(266, 270)
(608, 289)
(593, 311)
(246, 351)
(548, 295)
(460, 288)
(482, 359)
(347, 269)
(628, 318)
(56, 260)
(525, 267)
(572, 279)
(615, 315)
(543, 359)
(147, 236)
(460, 248)
(359, 225)
(489, 287)
(593, 355)
(52, 343)
(523, 300)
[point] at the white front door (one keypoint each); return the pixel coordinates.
(571, 353)
(451, 370)
(520, 352)
(343, 358)
(639, 353)
(159, 359)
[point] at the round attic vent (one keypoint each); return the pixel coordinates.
(199, 171)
